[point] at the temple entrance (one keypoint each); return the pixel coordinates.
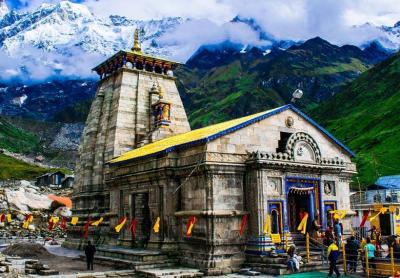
(303, 196)
(141, 211)
(299, 204)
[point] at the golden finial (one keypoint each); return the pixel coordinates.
(136, 45)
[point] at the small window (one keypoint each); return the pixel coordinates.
(282, 142)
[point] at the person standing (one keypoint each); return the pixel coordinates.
(370, 248)
(89, 252)
(337, 228)
(352, 247)
(333, 254)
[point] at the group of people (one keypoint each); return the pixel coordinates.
(370, 247)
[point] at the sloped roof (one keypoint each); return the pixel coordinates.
(209, 133)
(386, 182)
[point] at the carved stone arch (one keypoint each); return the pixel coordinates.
(304, 140)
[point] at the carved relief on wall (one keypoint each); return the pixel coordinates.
(274, 186)
(304, 152)
(329, 188)
(302, 147)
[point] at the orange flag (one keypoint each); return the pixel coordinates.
(190, 224)
(121, 224)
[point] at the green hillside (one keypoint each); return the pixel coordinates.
(11, 168)
(366, 116)
(221, 85)
(17, 140)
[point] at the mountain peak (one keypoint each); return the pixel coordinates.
(3, 8)
(397, 24)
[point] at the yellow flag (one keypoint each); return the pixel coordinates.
(303, 224)
(55, 219)
(26, 223)
(189, 230)
(267, 225)
(119, 226)
(74, 220)
(98, 222)
(372, 218)
(156, 227)
(9, 219)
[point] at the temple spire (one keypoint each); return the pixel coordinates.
(136, 44)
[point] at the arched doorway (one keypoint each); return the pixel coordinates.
(275, 210)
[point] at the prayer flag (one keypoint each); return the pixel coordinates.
(55, 219)
(86, 228)
(121, 224)
(364, 218)
(9, 218)
(51, 224)
(243, 225)
(303, 224)
(63, 224)
(98, 222)
(28, 220)
(190, 225)
(156, 227)
(267, 225)
(74, 220)
(132, 226)
(3, 218)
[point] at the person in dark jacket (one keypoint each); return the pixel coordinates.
(333, 254)
(352, 247)
(89, 252)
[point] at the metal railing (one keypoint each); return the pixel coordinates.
(382, 196)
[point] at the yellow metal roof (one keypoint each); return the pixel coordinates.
(212, 132)
(205, 133)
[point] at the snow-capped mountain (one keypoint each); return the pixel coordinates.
(391, 37)
(3, 8)
(60, 27)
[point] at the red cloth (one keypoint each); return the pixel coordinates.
(63, 224)
(86, 228)
(133, 226)
(3, 218)
(51, 224)
(243, 225)
(364, 218)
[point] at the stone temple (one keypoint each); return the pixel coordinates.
(140, 159)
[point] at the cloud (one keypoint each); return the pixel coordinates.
(189, 36)
(34, 65)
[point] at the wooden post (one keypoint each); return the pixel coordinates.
(366, 263)
(392, 261)
(308, 247)
(344, 258)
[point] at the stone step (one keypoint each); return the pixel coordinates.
(132, 254)
(281, 269)
(122, 263)
(170, 272)
(116, 273)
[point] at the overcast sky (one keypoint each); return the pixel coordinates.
(332, 20)
(273, 12)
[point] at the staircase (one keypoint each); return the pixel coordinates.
(278, 265)
(144, 262)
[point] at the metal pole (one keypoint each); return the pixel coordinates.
(344, 258)
(286, 241)
(308, 247)
(392, 261)
(366, 263)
